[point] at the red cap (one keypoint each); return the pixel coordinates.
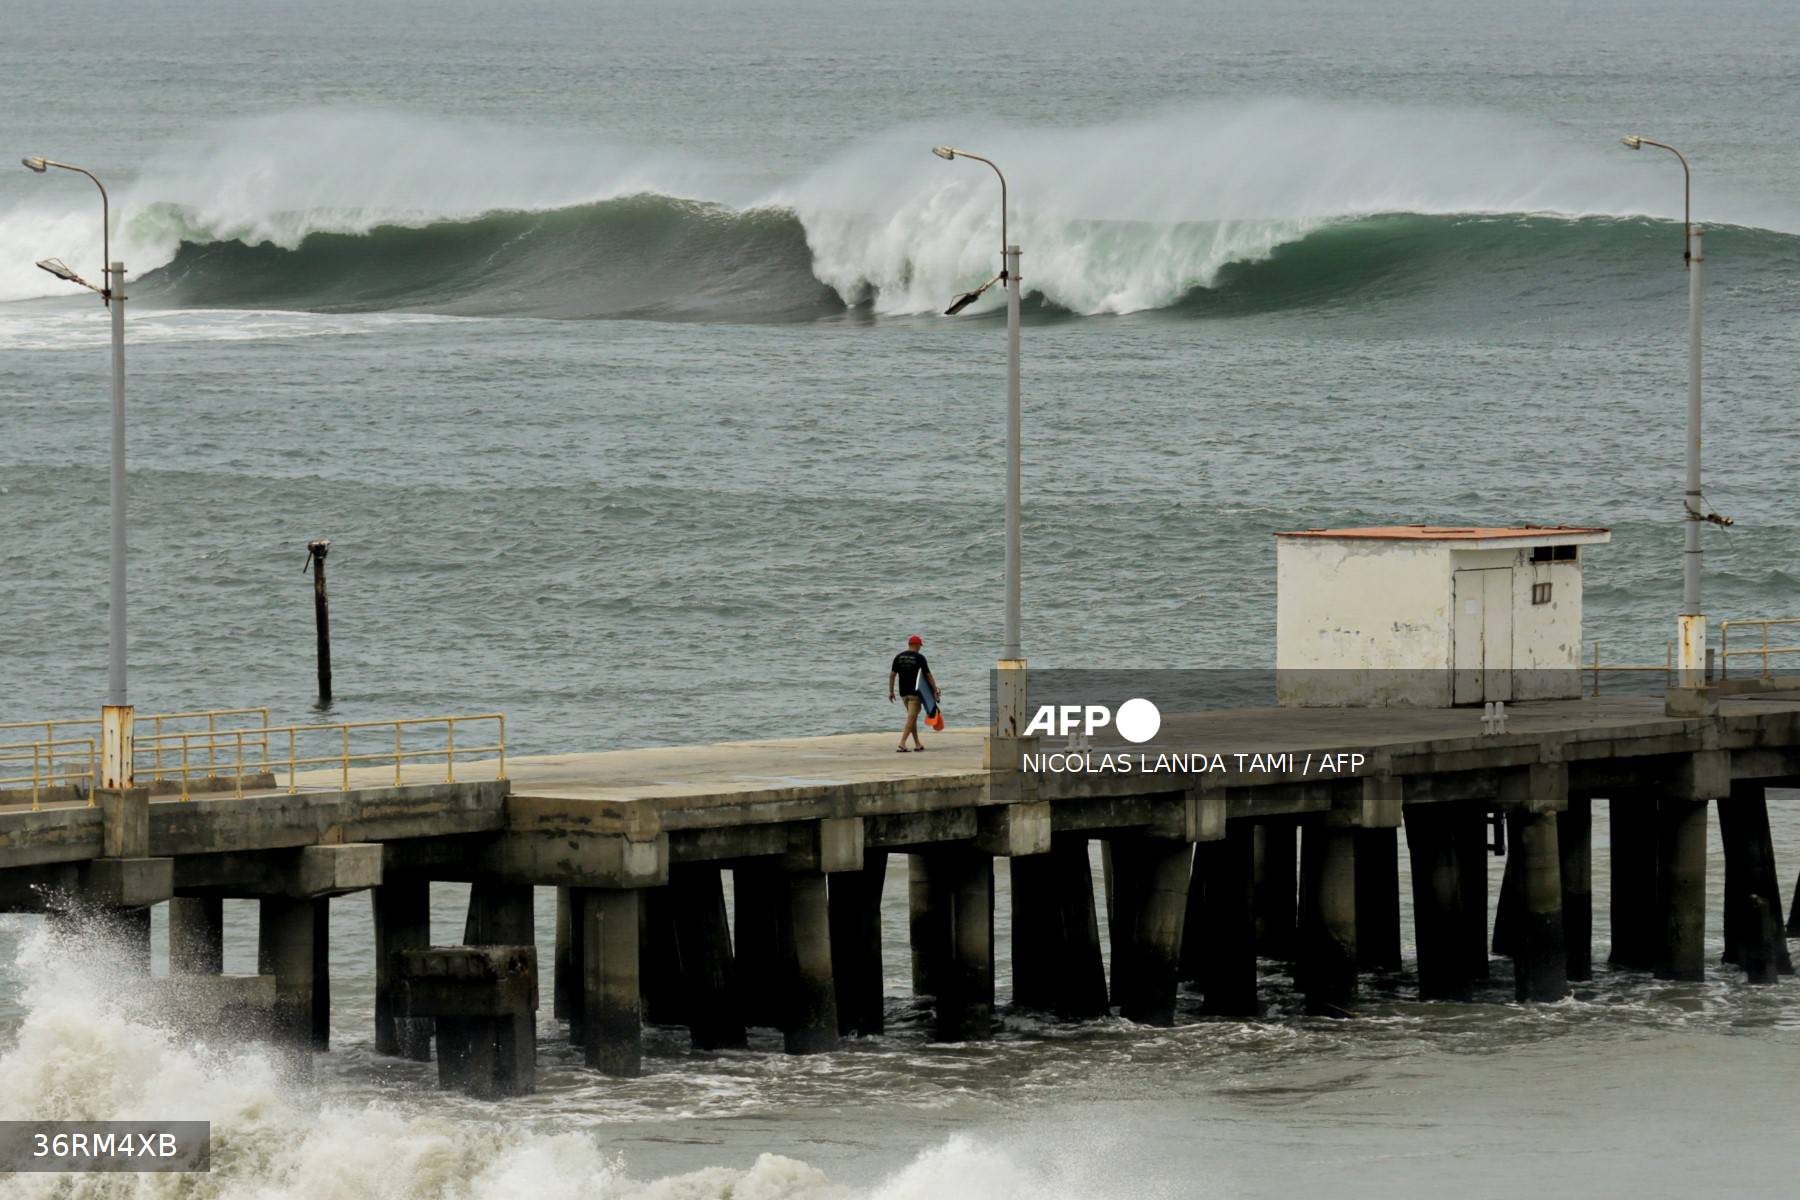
(915, 640)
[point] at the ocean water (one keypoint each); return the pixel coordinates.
(603, 341)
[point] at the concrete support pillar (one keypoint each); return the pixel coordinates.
(196, 935)
(402, 910)
(1378, 899)
(758, 895)
(1148, 884)
(708, 977)
(565, 1004)
(660, 958)
(1328, 924)
(928, 926)
(286, 931)
(809, 996)
(1224, 871)
(1636, 900)
(1057, 963)
(1506, 913)
(1681, 854)
(321, 974)
(1540, 964)
(483, 1001)
(1753, 935)
(1574, 841)
(856, 967)
(1434, 846)
(1277, 888)
(611, 1012)
(500, 914)
(1470, 835)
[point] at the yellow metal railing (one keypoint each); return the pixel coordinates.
(1596, 668)
(1762, 651)
(148, 757)
(44, 771)
(333, 748)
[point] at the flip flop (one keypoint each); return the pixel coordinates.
(901, 750)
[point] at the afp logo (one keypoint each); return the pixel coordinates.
(1137, 720)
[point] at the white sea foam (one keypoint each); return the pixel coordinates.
(81, 1053)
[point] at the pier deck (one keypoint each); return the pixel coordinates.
(1205, 871)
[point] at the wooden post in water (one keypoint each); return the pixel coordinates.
(316, 550)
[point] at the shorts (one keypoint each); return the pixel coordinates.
(913, 705)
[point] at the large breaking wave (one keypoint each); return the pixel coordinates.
(1246, 208)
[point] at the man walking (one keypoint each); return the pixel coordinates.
(913, 675)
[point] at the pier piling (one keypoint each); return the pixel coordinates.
(707, 974)
(196, 935)
(1224, 874)
(809, 1022)
(1148, 882)
(1327, 967)
(1752, 888)
(1681, 855)
(1057, 962)
(1635, 903)
(855, 901)
(401, 907)
(1277, 888)
(1574, 841)
(1440, 928)
(286, 930)
(611, 1014)
(757, 895)
(483, 1002)
(1378, 899)
(1540, 964)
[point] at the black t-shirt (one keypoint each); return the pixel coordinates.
(910, 666)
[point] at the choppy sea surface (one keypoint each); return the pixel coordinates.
(603, 342)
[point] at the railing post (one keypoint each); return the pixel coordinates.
(501, 718)
(34, 776)
(184, 765)
(156, 749)
(1766, 673)
(1596, 668)
(346, 763)
(265, 738)
(238, 789)
(397, 755)
(449, 749)
(292, 755)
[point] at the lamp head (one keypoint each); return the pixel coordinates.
(38, 164)
(60, 269)
(963, 301)
(1633, 142)
(943, 152)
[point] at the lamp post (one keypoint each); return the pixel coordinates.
(1691, 631)
(115, 765)
(1010, 701)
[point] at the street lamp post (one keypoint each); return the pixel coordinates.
(1691, 631)
(115, 759)
(1009, 716)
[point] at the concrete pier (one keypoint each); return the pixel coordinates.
(1200, 870)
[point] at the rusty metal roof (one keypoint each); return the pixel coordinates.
(1447, 533)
